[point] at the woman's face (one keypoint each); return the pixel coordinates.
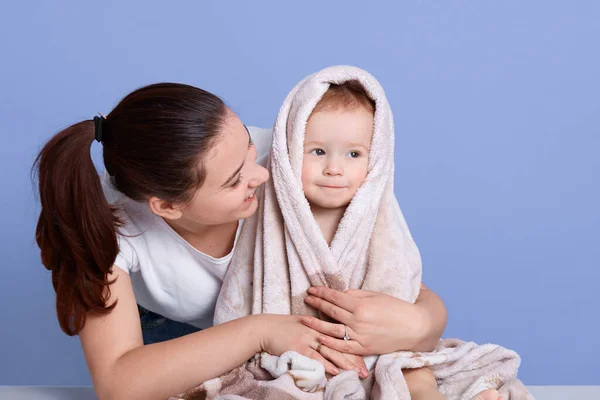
(232, 177)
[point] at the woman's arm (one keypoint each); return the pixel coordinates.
(121, 367)
(377, 323)
(435, 318)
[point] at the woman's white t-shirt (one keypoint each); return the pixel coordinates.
(169, 276)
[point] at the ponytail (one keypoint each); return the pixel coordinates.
(77, 228)
(153, 144)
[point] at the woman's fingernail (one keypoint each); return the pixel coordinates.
(322, 339)
(364, 373)
(305, 320)
(312, 290)
(308, 299)
(336, 371)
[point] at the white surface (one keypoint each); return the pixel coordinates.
(82, 393)
(46, 393)
(565, 392)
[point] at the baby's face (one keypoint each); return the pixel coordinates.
(336, 156)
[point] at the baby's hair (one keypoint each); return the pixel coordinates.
(349, 95)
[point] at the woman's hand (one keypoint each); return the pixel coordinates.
(377, 323)
(281, 333)
(339, 358)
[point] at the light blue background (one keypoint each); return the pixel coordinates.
(497, 110)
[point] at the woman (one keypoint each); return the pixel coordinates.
(159, 229)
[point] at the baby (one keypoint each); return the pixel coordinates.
(328, 217)
(337, 145)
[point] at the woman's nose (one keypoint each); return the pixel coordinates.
(260, 176)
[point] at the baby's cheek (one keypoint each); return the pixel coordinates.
(364, 171)
(303, 178)
(304, 173)
(308, 171)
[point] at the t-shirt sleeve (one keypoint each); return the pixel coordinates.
(261, 138)
(127, 258)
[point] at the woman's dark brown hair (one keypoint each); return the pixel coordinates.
(153, 141)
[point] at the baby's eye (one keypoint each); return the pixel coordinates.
(354, 154)
(318, 152)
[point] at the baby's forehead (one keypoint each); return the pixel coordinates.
(342, 128)
(338, 140)
(356, 134)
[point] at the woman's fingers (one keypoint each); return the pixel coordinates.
(335, 312)
(360, 294)
(359, 361)
(344, 346)
(329, 367)
(324, 327)
(341, 361)
(340, 299)
(332, 331)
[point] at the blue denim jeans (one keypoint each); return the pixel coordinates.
(156, 328)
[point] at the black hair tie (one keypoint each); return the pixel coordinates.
(98, 121)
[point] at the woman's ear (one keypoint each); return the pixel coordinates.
(164, 208)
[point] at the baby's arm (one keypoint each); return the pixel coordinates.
(422, 384)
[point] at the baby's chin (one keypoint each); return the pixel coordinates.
(328, 204)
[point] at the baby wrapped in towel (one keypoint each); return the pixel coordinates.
(329, 217)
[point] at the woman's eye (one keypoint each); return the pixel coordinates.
(237, 183)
